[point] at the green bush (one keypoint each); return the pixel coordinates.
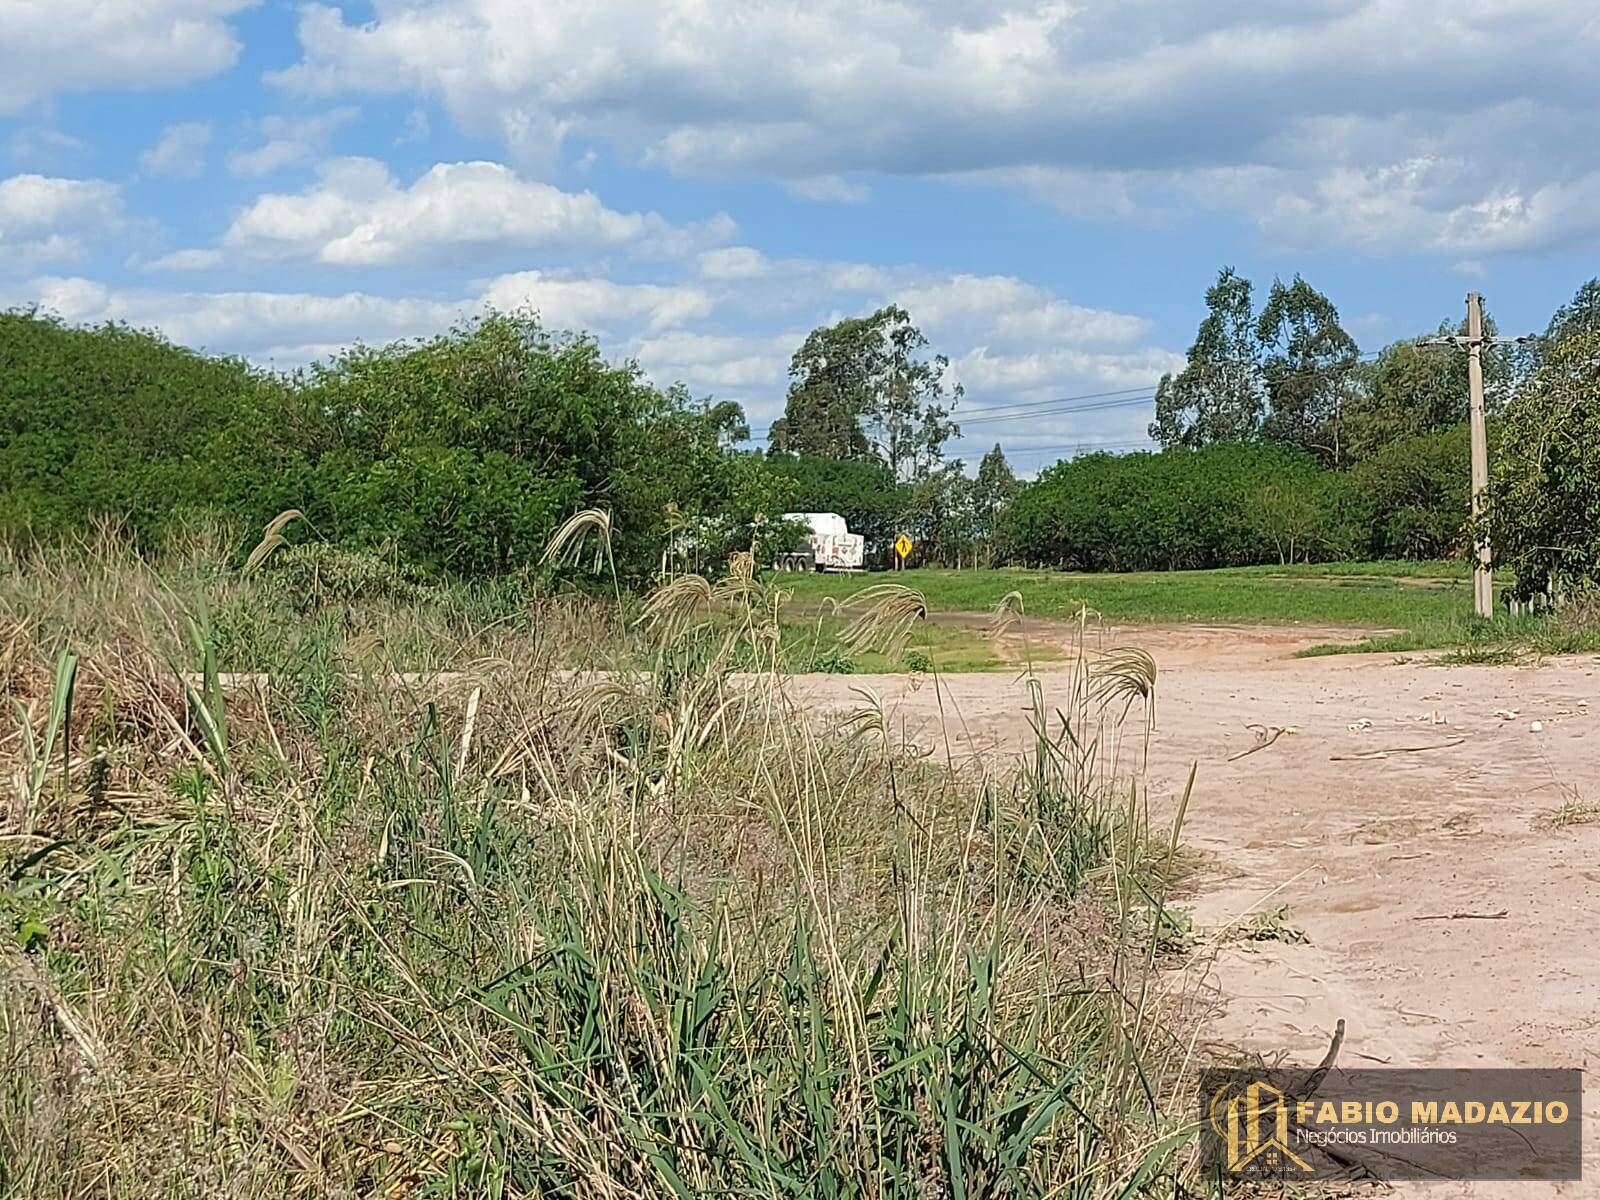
(457, 456)
(1224, 505)
(1545, 504)
(1411, 499)
(114, 423)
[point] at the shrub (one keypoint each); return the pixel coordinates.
(1411, 499)
(1545, 502)
(1224, 505)
(457, 455)
(116, 423)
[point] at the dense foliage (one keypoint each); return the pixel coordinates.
(113, 422)
(1235, 504)
(1410, 499)
(1223, 505)
(1546, 484)
(460, 454)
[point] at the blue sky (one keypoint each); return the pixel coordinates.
(1047, 187)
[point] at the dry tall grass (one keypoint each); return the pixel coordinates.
(527, 931)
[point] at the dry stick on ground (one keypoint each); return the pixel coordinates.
(1464, 916)
(1388, 750)
(1264, 738)
(1338, 1154)
(1328, 1059)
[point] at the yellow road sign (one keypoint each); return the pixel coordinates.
(902, 546)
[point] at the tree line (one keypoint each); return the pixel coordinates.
(461, 453)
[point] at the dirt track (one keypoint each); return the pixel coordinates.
(1372, 854)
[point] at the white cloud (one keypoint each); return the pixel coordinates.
(598, 304)
(290, 327)
(185, 260)
(43, 148)
(1014, 313)
(416, 129)
(296, 327)
(44, 219)
(289, 142)
(721, 362)
(180, 151)
(724, 323)
(733, 262)
(835, 189)
(66, 45)
(1103, 109)
(358, 214)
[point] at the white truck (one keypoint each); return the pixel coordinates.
(828, 546)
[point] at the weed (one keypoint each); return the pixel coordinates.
(1478, 656)
(1272, 925)
(541, 922)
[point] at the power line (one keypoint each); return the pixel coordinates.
(1147, 394)
(995, 408)
(1087, 447)
(1132, 397)
(1065, 410)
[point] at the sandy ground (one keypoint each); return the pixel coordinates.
(1375, 855)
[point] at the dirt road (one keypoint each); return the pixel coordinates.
(1398, 866)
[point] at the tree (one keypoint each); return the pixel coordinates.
(1176, 510)
(939, 516)
(1280, 375)
(992, 491)
(1579, 315)
(1418, 386)
(1306, 362)
(864, 388)
(1409, 498)
(1220, 395)
(908, 416)
(119, 424)
(1545, 488)
(1293, 515)
(832, 377)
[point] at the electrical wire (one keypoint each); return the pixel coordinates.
(1091, 402)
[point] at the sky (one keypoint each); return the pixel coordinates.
(1048, 188)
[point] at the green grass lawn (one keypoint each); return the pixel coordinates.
(1387, 596)
(1408, 606)
(818, 644)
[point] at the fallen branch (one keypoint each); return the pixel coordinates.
(1384, 753)
(1264, 738)
(1463, 916)
(1328, 1059)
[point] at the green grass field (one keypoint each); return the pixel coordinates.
(1407, 606)
(1368, 595)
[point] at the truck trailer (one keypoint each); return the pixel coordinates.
(827, 546)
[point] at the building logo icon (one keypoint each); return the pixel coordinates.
(1252, 1122)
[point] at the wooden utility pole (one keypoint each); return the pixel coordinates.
(1473, 343)
(1483, 569)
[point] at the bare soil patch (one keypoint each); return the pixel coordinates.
(1404, 809)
